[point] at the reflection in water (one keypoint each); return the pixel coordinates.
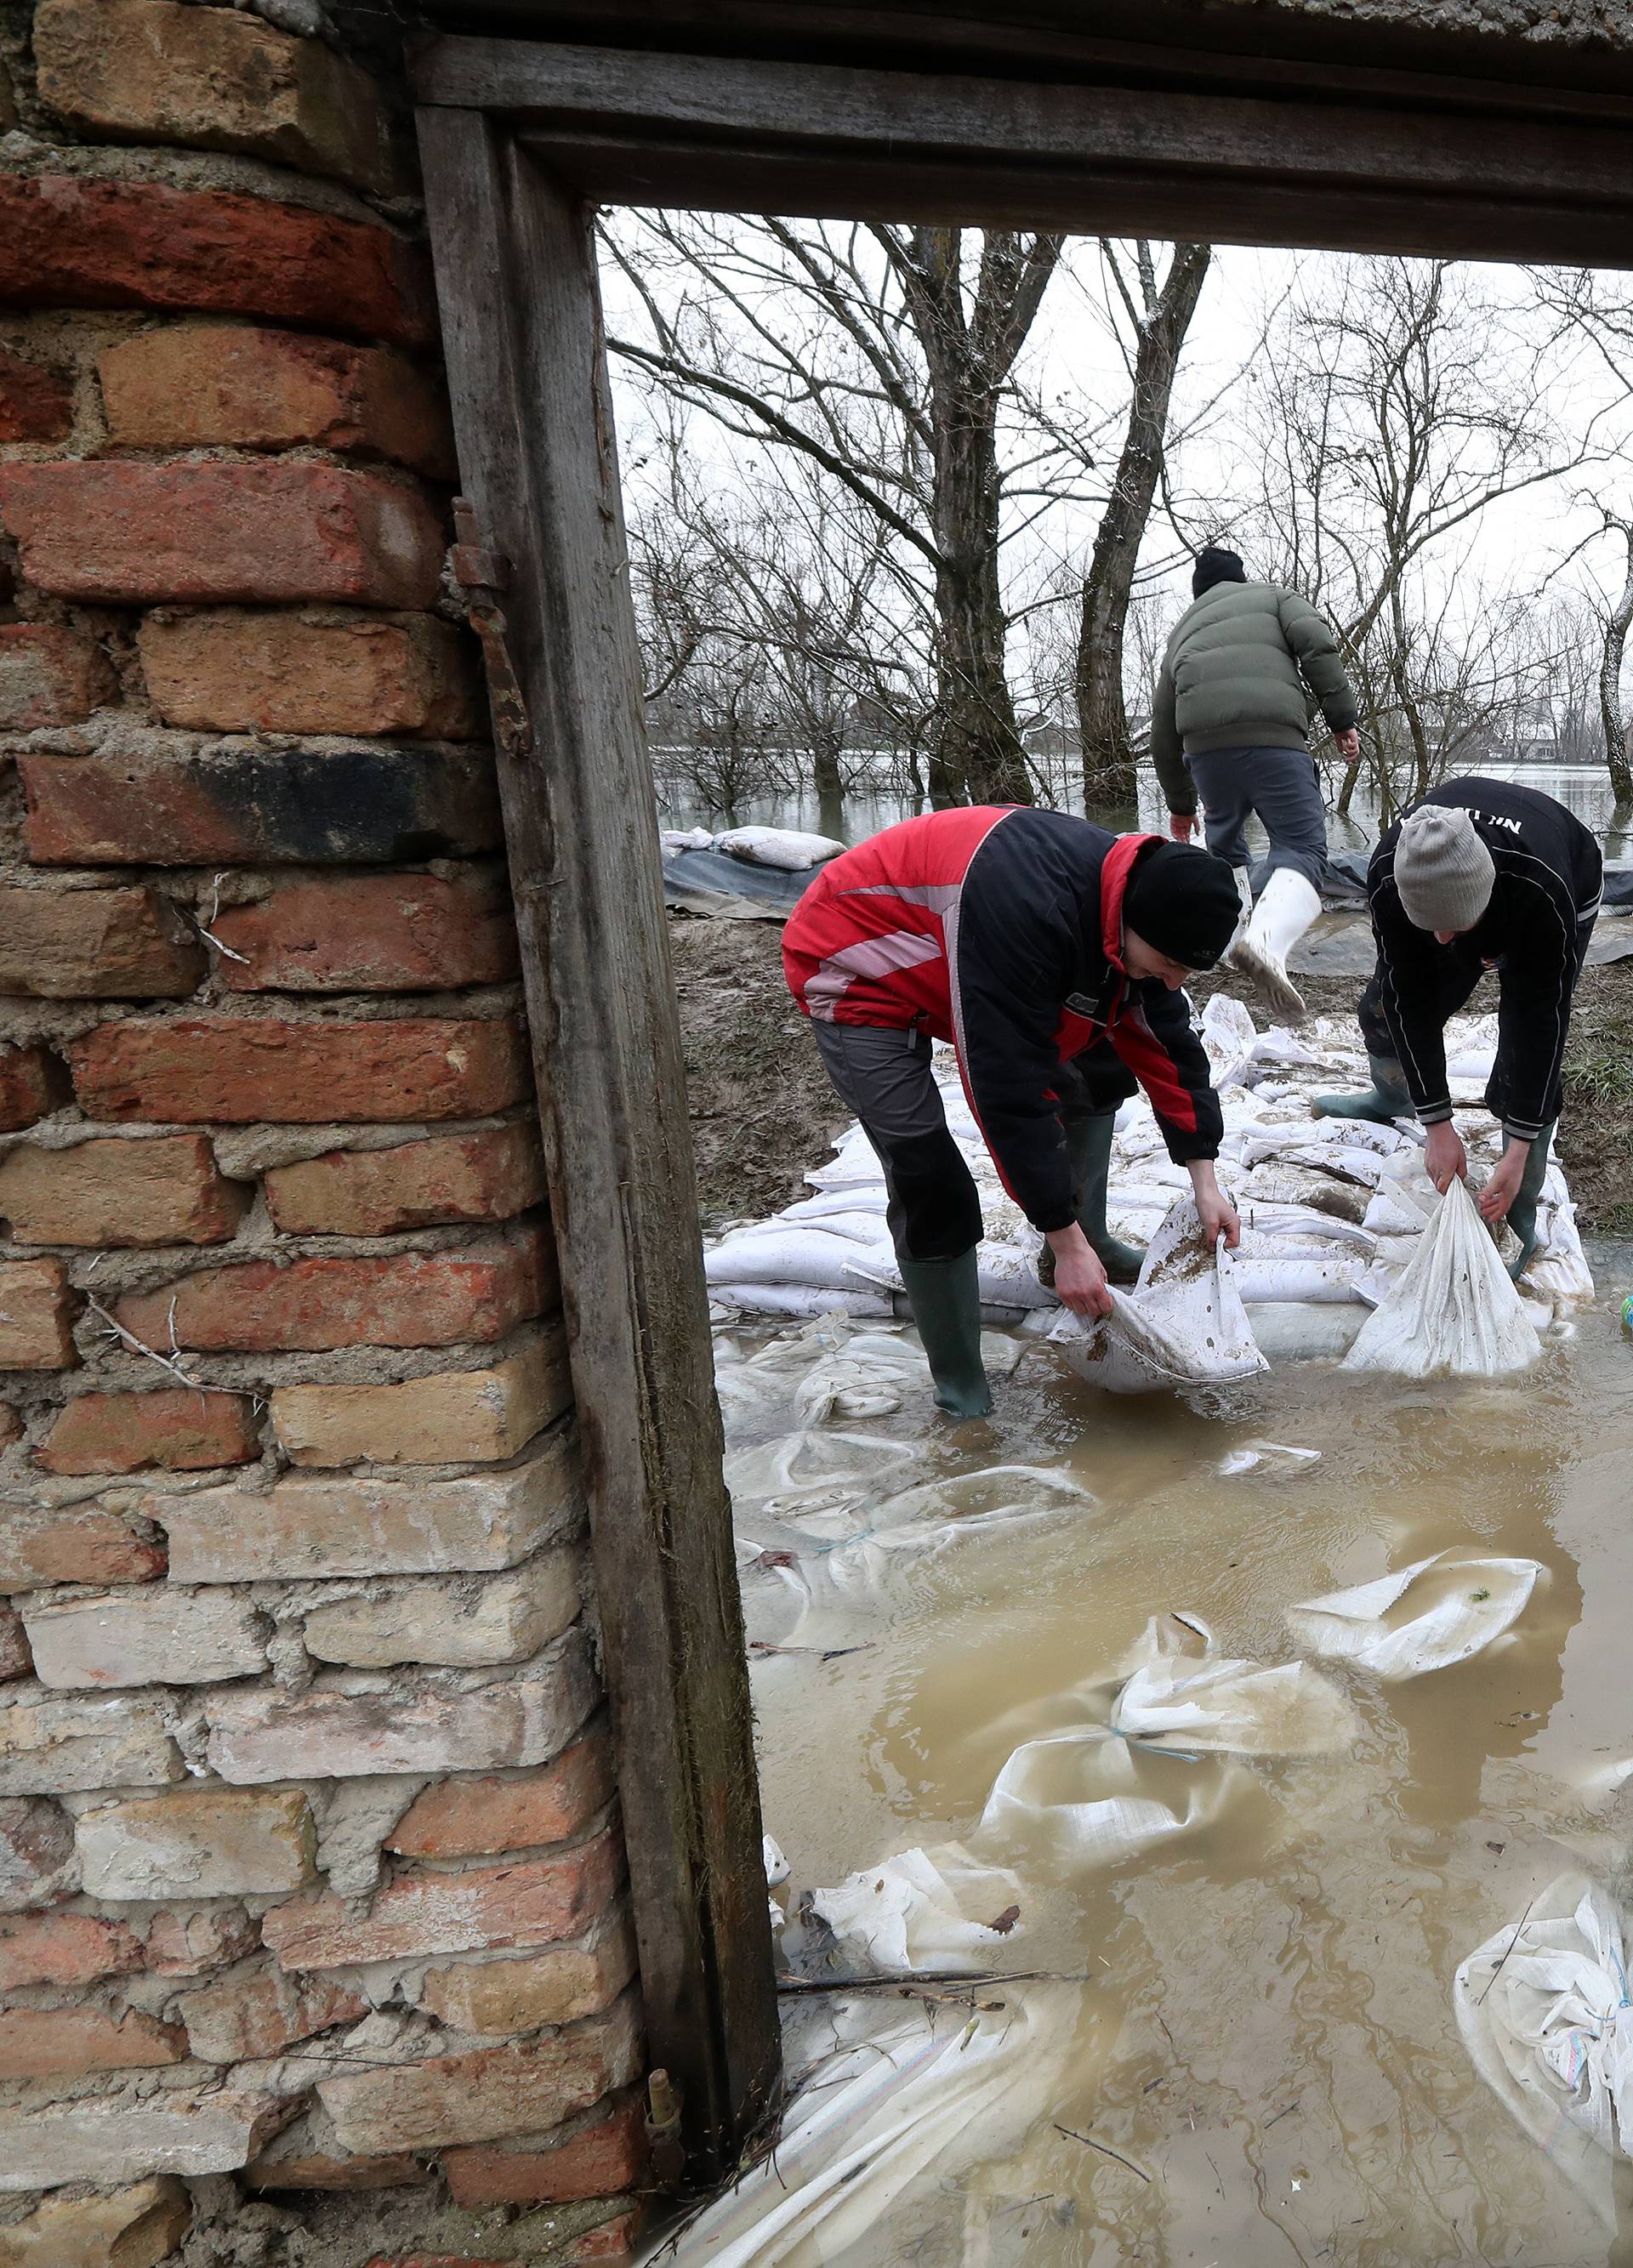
(1584, 790)
(1275, 2052)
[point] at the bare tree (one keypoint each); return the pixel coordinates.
(1160, 316)
(884, 355)
(1616, 621)
(1389, 415)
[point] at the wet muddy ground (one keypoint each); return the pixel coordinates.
(1258, 2062)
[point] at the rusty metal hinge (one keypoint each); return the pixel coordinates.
(481, 574)
(662, 2122)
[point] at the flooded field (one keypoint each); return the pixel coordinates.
(1244, 2051)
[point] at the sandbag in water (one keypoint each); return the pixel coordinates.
(1544, 2010)
(1184, 1324)
(1436, 1612)
(922, 1909)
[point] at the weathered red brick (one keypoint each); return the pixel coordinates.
(233, 1070)
(36, 1853)
(166, 1191)
(448, 1178)
(37, 1309)
(73, 1544)
(241, 670)
(36, 402)
(196, 1940)
(134, 2228)
(136, 533)
(255, 806)
(211, 385)
(96, 945)
(176, 1428)
(64, 2042)
(613, 2240)
(65, 1949)
(504, 1997)
(65, 242)
(509, 1811)
(305, 2156)
(258, 1735)
(529, 1902)
(491, 2093)
(15, 1657)
(372, 933)
(411, 1299)
(49, 676)
(261, 2012)
(33, 1082)
(603, 2158)
(152, 71)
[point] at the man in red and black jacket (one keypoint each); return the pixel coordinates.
(1051, 953)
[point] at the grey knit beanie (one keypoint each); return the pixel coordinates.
(1443, 870)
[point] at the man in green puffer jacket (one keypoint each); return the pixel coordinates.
(1231, 719)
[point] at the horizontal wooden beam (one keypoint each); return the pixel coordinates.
(728, 134)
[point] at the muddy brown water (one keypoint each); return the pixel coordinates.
(1266, 2033)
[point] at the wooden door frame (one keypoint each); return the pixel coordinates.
(520, 139)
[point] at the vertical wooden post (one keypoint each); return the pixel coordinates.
(521, 326)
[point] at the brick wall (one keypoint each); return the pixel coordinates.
(310, 1870)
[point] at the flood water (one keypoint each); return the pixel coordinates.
(1257, 2015)
(1584, 790)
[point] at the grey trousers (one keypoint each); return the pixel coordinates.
(1282, 787)
(883, 1074)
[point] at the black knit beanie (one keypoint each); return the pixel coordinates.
(1215, 565)
(1183, 902)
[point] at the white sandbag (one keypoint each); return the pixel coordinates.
(1454, 1312)
(925, 1520)
(1252, 1456)
(1305, 1330)
(800, 1299)
(685, 838)
(817, 1458)
(1272, 1278)
(901, 2101)
(1544, 2011)
(1085, 1796)
(1184, 1325)
(1436, 1612)
(1188, 1695)
(1228, 1035)
(810, 1256)
(922, 1909)
(777, 846)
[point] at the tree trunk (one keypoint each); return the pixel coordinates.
(978, 744)
(1618, 622)
(1108, 757)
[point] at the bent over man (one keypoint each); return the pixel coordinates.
(1231, 717)
(1051, 953)
(1482, 874)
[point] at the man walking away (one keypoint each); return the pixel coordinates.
(1232, 718)
(1482, 874)
(1051, 953)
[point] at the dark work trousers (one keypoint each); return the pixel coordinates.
(1282, 787)
(1459, 968)
(883, 1074)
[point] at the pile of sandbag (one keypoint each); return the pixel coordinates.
(1334, 1214)
(788, 848)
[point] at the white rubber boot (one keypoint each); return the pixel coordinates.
(1287, 906)
(1244, 892)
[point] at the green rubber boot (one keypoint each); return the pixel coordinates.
(1385, 1099)
(1522, 1214)
(946, 1301)
(1088, 1147)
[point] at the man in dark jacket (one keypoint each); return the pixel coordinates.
(1482, 874)
(1050, 954)
(1232, 718)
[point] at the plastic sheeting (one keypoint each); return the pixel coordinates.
(1436, 1612)
(1453, 1313)
(1544, 2012)
(897, 2104)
